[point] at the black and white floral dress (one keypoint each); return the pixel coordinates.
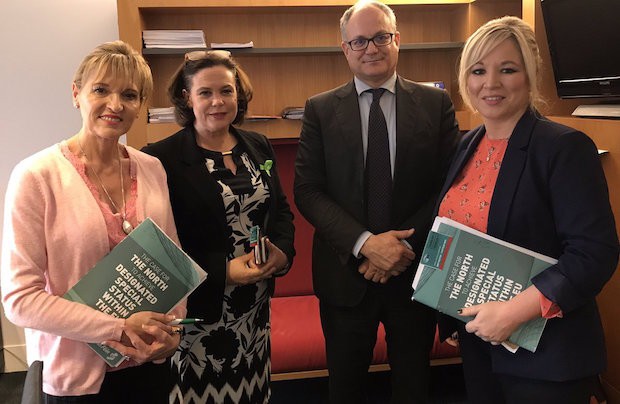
(229, 361)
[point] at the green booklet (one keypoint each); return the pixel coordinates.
(462, 267)
(144, 272)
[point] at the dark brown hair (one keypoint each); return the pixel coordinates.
(195, 62)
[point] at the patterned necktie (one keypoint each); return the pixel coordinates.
(378, 168)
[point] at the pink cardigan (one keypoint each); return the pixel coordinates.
(54, 232)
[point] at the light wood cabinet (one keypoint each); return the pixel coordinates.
(297, 51)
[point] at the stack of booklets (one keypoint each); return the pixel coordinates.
(462, 267)
(232, 45)
(293, 113)
(169, 38)
(161, 115)
(144, 272)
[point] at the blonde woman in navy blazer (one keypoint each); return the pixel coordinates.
(550, 196)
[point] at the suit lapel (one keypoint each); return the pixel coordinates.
(407, 118)
(349, 123)
(509, 175)
(204, 187)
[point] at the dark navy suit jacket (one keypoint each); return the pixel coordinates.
(551, 197)
(329, 180)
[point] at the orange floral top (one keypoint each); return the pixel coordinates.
(469, 198)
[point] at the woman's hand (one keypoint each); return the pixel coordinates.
(136, 322)
(147, 337)
(494, 322)
(277, 260)
(243, 270)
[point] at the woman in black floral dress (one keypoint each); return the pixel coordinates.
(223, 181)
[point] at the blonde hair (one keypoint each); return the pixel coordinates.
(489, 36)
(119, 59)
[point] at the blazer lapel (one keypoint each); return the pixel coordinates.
(510, 174)
(253, 148)
(255, 154)
(461, 158)
(204, 187)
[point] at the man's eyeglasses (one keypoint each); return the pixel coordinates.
(360, 44)
(199, 55)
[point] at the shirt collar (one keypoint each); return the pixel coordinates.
(389, 84)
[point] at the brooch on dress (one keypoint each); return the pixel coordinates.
(266, 167)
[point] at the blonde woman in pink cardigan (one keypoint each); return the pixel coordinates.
(66, 207)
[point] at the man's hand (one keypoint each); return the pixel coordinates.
(373, 273)
(387, 252)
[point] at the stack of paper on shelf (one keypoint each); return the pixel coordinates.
(160, 115)
(293, 113)
(462, 267)
(231, 45)
(169, 38)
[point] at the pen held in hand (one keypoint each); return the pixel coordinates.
(181, 321)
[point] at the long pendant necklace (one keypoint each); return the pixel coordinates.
(127, 227)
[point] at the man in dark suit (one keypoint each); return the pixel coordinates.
(367, 236)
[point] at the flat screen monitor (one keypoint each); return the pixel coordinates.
(584, 43)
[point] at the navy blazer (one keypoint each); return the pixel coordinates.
(329, 180)
(551, 197)
(199, 211)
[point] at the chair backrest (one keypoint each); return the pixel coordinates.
(33, 385)
(298, 282)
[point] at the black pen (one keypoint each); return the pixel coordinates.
(181, 321)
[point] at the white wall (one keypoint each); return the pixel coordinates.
(42, 43)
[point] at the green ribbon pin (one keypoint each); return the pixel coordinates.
(267, 167)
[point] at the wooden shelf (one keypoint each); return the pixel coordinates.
(275, 129)
(169, 4)
(299, 50)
